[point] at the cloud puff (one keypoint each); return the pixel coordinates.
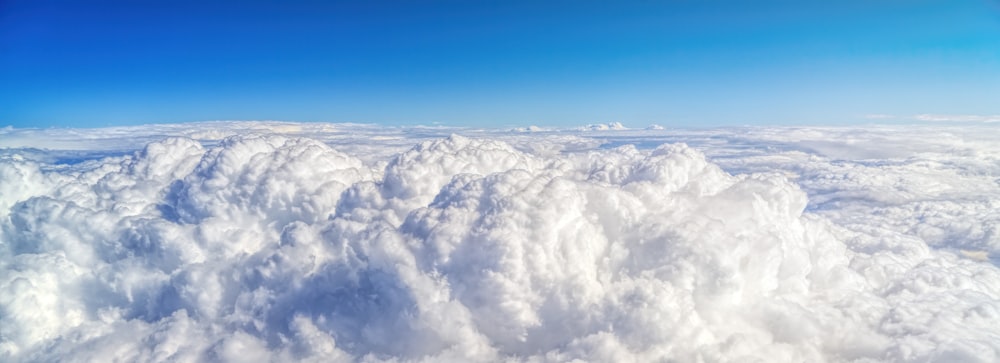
(524, 247)
(603, 127)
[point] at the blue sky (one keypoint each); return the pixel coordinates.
(498, 63)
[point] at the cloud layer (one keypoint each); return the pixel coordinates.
(416, 245)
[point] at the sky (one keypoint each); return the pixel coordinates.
(499, 63)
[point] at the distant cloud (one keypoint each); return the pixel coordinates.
(531, 128)
(957, 118)
(929, 117)
(603, 127)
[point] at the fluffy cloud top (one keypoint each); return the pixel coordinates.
(422, 245)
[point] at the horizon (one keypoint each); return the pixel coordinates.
(496, 65)
(925, 121)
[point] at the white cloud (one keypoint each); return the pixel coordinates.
(967, 118)
(531, 128)
(603, 127)
(957, 118)
(360, 243)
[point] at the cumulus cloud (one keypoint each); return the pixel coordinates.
(604, 127)
(278, 244)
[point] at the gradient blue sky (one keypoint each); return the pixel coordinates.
(497, 63)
